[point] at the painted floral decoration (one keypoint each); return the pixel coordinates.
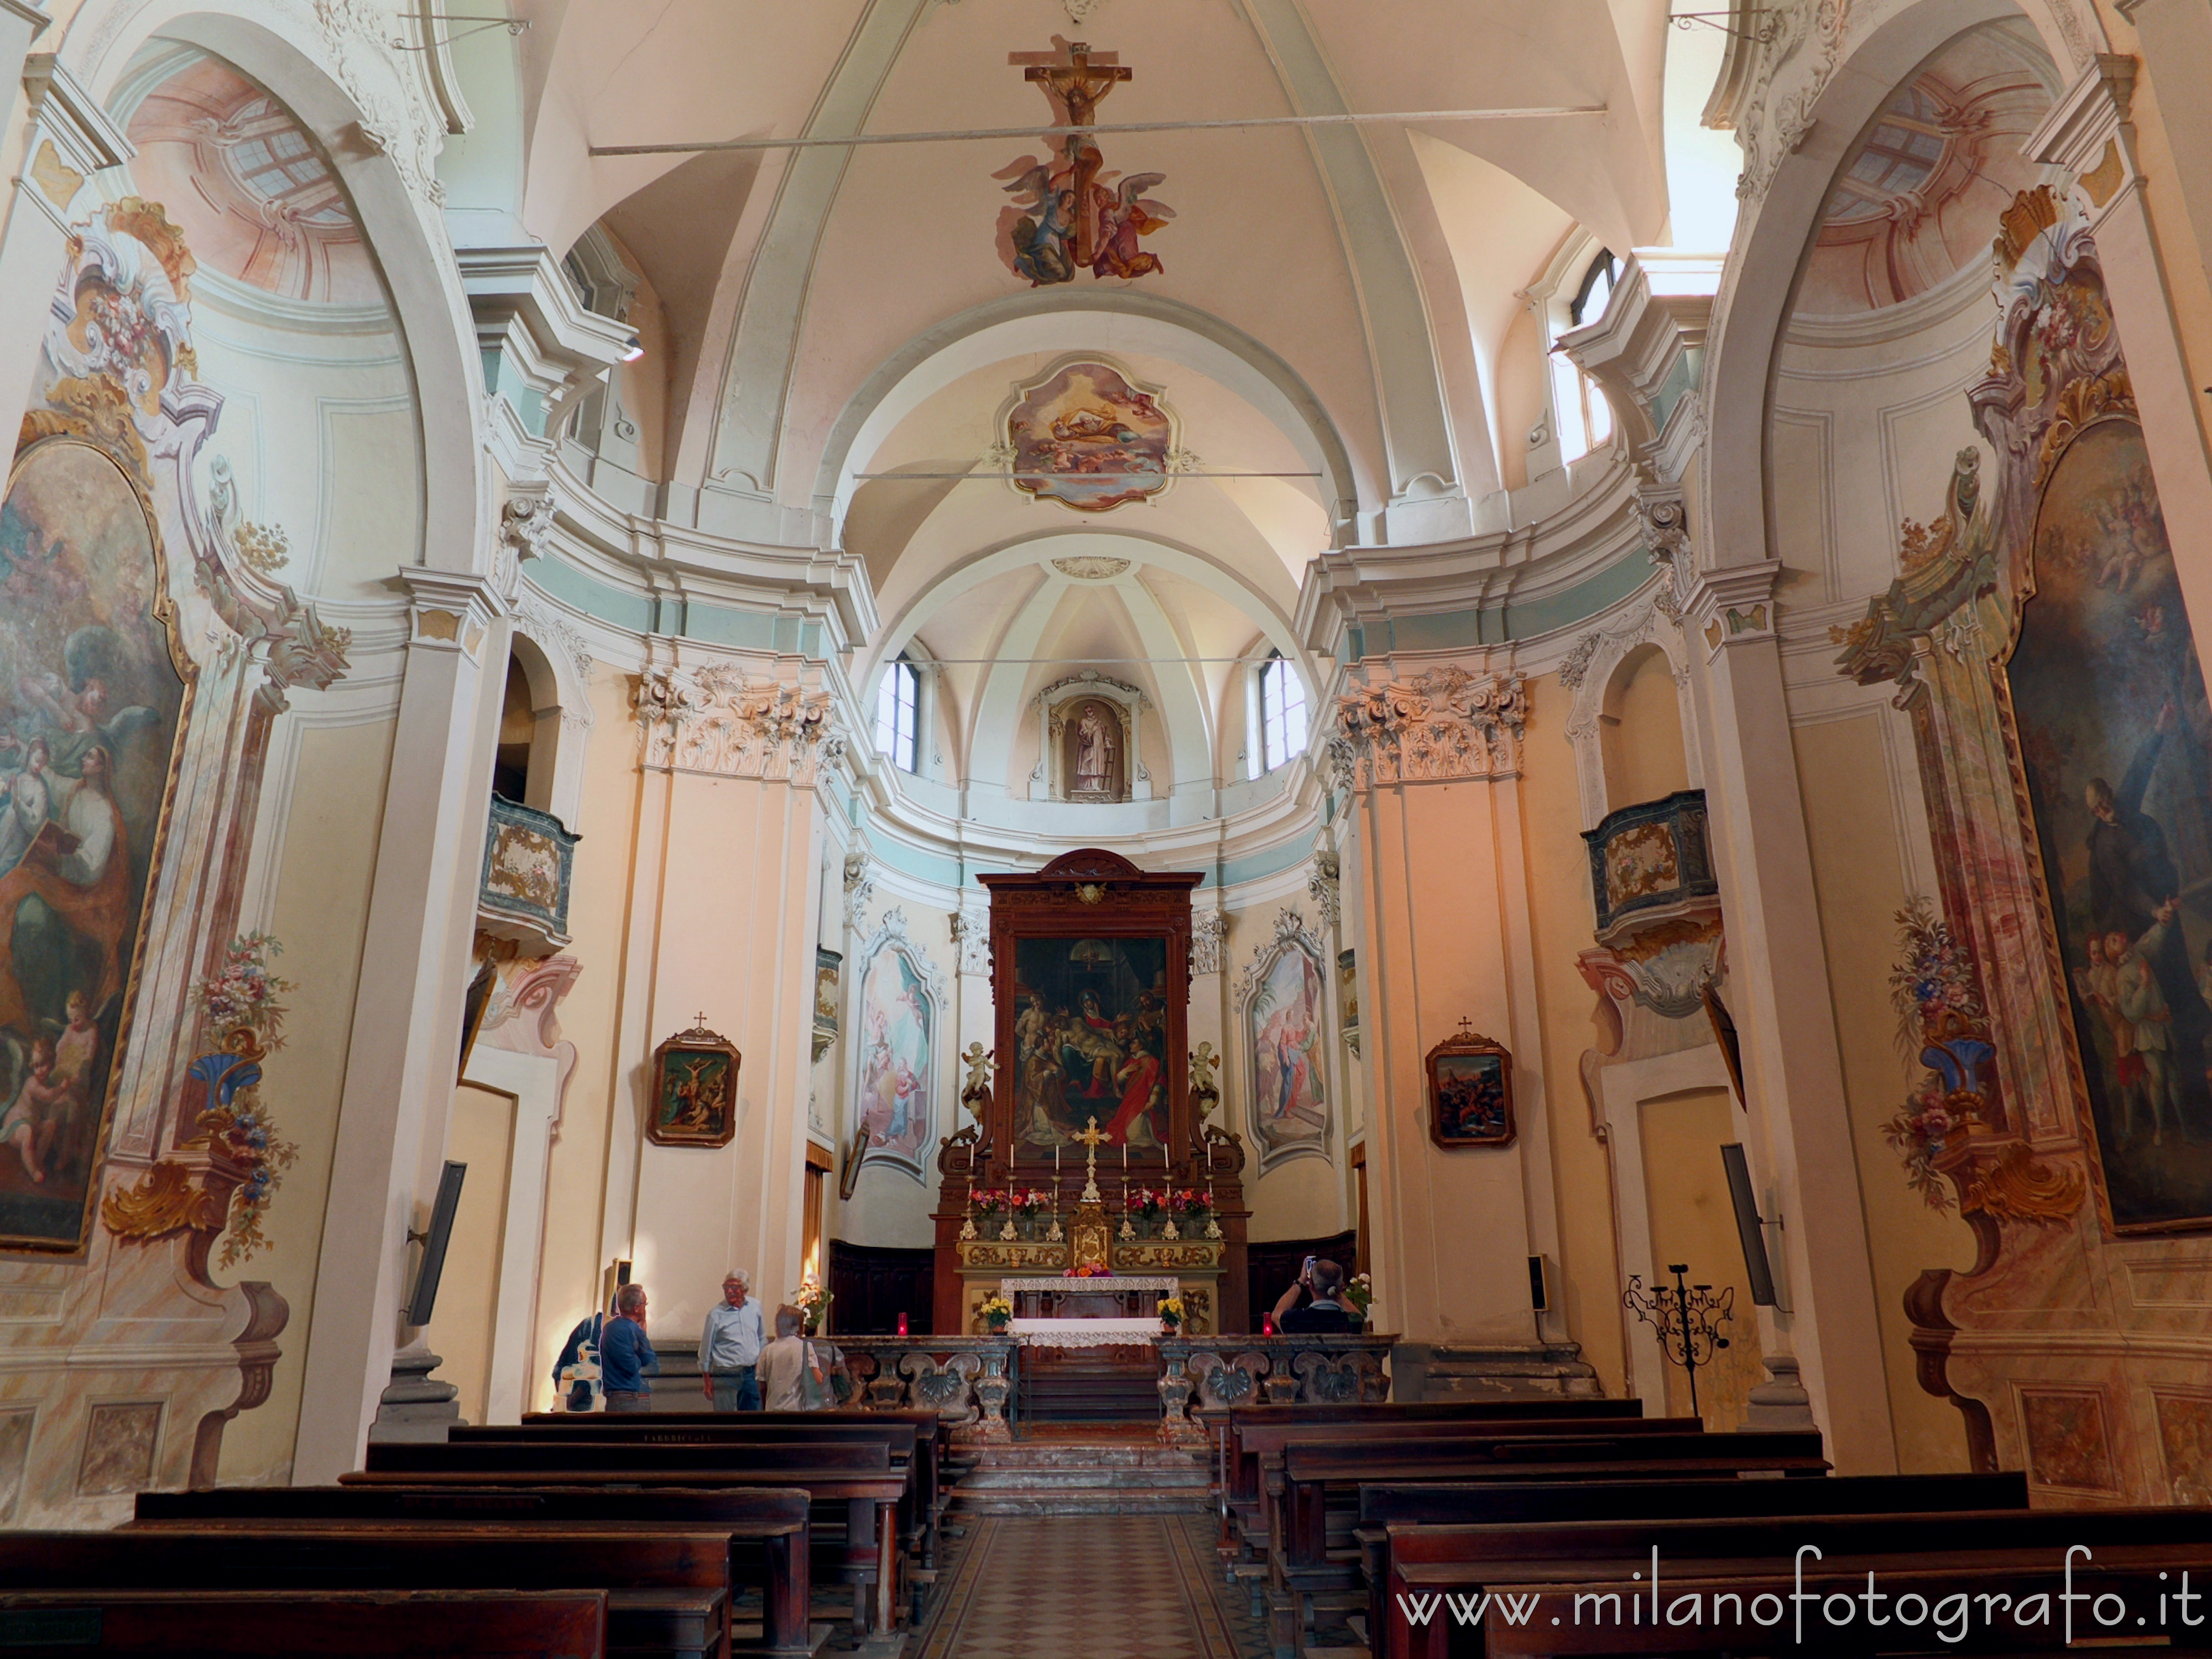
(241, 1004)
(1939, 1022)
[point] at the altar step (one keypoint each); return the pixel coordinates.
(1132, 1477)
(1092, 1397)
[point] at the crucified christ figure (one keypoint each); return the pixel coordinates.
(1081, 86)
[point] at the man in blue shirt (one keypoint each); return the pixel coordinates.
(730, 1346)
(626, 1358)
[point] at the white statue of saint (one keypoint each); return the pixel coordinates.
(1095, 738)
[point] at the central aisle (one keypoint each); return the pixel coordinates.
(1088, 1586)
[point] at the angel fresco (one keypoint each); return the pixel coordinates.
(1072, 212)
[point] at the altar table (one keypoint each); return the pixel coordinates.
(1083, 1332)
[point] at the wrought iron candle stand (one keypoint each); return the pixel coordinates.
(1687, 1318)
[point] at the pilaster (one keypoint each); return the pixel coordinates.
(1801, 1137)
(407, 1013)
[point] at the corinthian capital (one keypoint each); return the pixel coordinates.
(1445, 725)
(723, 721)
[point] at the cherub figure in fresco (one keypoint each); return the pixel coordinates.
(36, 1114)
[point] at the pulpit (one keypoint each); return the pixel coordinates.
(1087, 1152)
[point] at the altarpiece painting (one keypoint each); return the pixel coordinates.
(2060, 708)
(1092, 1036)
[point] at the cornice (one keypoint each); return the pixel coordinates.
(64, 111)
(2090, 131)
(1521, 566)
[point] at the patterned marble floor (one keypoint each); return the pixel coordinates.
(1087, 1586)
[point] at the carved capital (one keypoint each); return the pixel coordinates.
(1445, 725)
(722, 721)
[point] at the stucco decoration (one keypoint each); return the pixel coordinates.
(1321, 888)
(1282, 997)
(900, 994)
(398, 116)
(971, 936)
(1445, 725)
(723, 720)
(1209, 931)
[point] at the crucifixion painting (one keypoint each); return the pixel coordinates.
(1073, 212)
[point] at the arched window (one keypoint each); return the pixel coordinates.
(898, 711)
(1585, 417)
(1282, 713)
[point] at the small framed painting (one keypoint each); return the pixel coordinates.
(1470, 1091)
(695, 1090)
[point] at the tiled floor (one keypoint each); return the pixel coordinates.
(1087, 1586)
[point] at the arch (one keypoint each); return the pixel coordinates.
(556, 671)
(1112, 321)
(406, 238)
(1770, 249)
(1592, 670)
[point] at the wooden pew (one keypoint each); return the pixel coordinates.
(926, 1444)
(667, 1594)
(1239, 1476)
(1257, 1448)
(283, 1624)
(766, 1530)
(1444, 1510)
(861, 1476)
(1300, 1562)
(1983, 1587)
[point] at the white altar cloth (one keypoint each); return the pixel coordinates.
(1083, 1332)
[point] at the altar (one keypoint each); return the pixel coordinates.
(1090, 1147)
(1115, 1311)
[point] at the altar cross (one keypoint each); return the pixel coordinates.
(1081, 86)
(1092, 1138)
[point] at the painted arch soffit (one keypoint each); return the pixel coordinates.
(899, 999)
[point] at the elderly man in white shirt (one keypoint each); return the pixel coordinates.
(730, 1346)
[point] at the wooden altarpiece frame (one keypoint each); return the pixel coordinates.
(1085, 895)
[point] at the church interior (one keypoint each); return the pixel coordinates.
(1442, 786)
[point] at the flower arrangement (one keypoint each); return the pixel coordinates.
(1171, 1311)
(991, 1200)
(1144, 1201)
(1090, 1270)
(812, 1300)
(1190, 1202)
(241, 1006)
(1027, 1204)
(996, 1310)
(1360, 1293)
(1939, 1020)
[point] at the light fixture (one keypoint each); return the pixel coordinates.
(634, 350)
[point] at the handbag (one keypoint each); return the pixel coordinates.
(814, 1391)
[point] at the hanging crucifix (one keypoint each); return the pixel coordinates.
(1081, 85)
(1073, 214)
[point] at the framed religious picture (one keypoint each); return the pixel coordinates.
(1470, 1091)
(695, 1090)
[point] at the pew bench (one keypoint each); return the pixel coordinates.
(857, 1476)
(765, 1532)
(1973, 1599)
(668, 1595)
(1434, 1516)
(1320, 1479)
(144, 1623)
